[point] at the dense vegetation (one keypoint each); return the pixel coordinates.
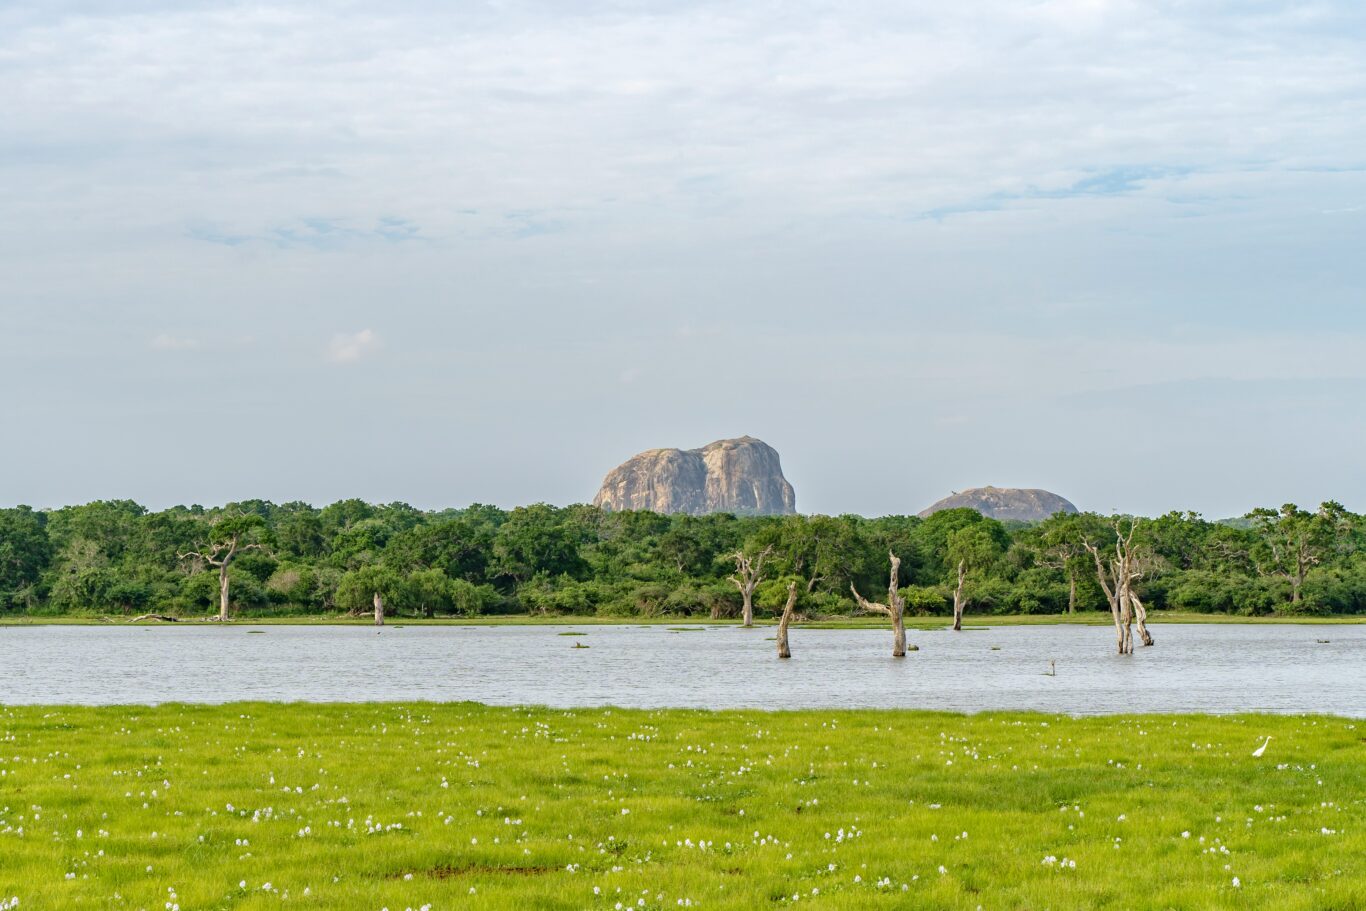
(116, 557)
(340, 807)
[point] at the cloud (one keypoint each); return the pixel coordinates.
(347, 348)
(313, 232)
(164, 341)
(989, 204)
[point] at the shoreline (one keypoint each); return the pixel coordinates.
(1093, 618)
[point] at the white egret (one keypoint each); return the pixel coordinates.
(1261, 749)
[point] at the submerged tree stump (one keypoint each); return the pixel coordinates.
(894, 608)
(783, 650)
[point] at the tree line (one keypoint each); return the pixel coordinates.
(259, 558)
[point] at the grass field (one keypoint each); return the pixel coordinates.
(255, 806)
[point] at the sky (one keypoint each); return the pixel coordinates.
(448, 253)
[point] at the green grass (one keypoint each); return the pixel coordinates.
(466, 806)
(1090, 618)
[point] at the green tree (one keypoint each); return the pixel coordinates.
(25, 551)
(299, 532)
(370, 588)
(931, 539)
(429, 591)
(535, 539)
(972, 550)
(459, 548)
(1060, 541)
(822, 550)
(1292, 540)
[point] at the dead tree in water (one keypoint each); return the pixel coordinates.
(1117, 581)
(748, 575)
(783, 650)
(894, 608)
(958, 596)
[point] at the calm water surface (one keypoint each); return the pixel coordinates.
(1193, 667)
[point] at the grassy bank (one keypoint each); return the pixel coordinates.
(1090, 618)
(252, 806)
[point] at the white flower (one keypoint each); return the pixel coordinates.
(1236, 883)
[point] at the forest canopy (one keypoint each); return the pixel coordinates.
(116, 557)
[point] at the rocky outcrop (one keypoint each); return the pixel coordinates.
(742, 476)
(1020, 503)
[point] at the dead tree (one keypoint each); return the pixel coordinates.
(783, 650)
(748, 575)
(220, 555)
(958, 595)
(1140, 617)
(1117, 581)
(894, 608)
(379, 609)
(1060, 558)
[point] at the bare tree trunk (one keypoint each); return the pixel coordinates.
(783, 650)
(223, 592)
(895, 607)
(898, 636)
(958, 597)
(220, 556)
(1126, 616)
(1071, 593)
(748, 575)
(1141, 615)
(379, 610)
(1111, 596)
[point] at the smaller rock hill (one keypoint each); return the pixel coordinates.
(1023, 504)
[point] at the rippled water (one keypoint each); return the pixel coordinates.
(1197, 668)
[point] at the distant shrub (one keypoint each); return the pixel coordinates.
(1339, 589)
(1035, 591)
(922, 600)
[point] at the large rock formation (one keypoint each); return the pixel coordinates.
(1024, 504)
(742, 476)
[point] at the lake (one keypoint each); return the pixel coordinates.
(1217, 668)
